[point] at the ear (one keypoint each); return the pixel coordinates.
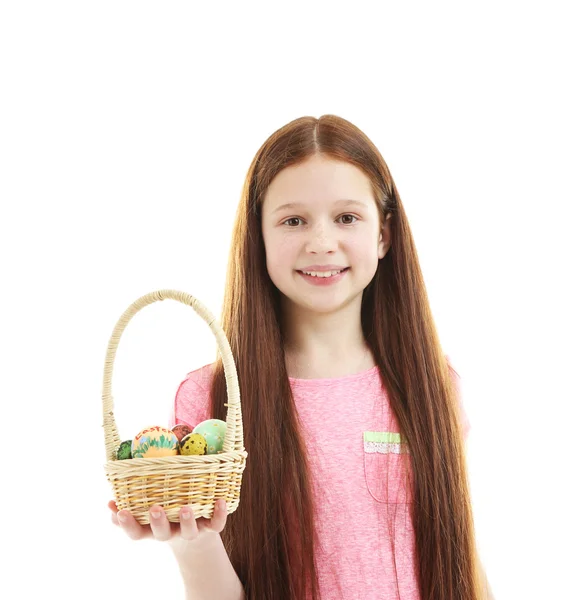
(385, 238)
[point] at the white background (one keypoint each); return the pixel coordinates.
(126, 130)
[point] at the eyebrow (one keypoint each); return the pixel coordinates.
(345, 202)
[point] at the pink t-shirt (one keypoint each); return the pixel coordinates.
(358, 465)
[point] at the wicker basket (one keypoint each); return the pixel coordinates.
(176, 481)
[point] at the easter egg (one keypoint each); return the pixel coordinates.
(193, 444)
(181, 430)
(124, 450)
(154, 442)
(214, 431)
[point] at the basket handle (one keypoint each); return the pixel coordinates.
(234, 439)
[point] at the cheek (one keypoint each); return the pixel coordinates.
(280, 254)
(281, 249)
(362, 250)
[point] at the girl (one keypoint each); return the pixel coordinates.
(356, 482)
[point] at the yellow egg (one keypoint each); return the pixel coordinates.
(193, 444)
(154, 442)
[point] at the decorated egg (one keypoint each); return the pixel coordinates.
(154, 442)
(193, 444)
(214, 431)
(124, 450)
(181, 430)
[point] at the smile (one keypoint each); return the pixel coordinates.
(323, 274)
(323, 277)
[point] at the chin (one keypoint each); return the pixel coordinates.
(325, 307)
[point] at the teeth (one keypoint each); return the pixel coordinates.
(322, 273)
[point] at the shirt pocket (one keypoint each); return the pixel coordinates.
(387, 467)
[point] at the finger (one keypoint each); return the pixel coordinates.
(220, 515)
(188, 529)
(114, 510)
(159, 523)
(131, 526)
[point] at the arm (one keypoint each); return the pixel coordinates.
(205, 566)
(196, 544)
(206, 569)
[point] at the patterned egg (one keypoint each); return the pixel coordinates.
(154, 442)
(214, 431)
(181, 430)
(193, 444)
(124, 450)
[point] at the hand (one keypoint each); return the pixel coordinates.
(179, 534)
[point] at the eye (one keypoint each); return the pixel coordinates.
(351, 217)
(292, 219)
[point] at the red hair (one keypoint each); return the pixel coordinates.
(273, 559)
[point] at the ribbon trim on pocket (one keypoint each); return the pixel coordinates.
(385, 442)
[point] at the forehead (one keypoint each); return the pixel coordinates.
(319, 181)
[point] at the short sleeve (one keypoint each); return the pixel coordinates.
(191, 404)
(456, 380)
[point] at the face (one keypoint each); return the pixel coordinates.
(320, 217)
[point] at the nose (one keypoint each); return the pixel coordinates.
(321, 240)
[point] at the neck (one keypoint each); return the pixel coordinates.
(321, 345)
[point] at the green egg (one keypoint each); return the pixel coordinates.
(124, 450)
(214, 431)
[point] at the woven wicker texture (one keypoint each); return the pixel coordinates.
(176, 481)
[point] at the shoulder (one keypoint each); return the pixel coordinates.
(192, 403)
(202, 377)
(454, 373)
(456, 380)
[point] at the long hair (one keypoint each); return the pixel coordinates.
(273, 558)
